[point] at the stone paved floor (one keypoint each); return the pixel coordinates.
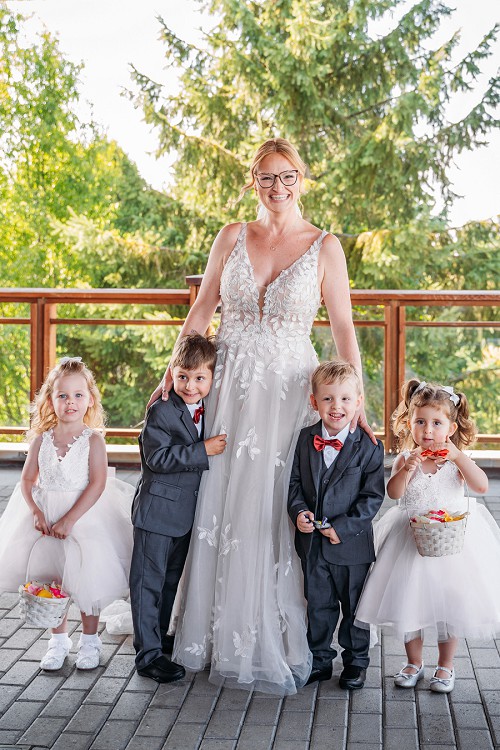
(113, 708)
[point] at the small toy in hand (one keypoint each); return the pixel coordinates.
(323, 524)
(434, 454)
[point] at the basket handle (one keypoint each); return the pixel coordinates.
(466, 487)
(69, 538)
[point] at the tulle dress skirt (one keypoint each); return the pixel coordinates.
(92, 564)
(453, 595)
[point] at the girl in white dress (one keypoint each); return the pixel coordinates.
(242, 608)
(451, 596)
(64, 520)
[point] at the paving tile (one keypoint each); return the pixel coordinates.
(120, 666)
(400, 714)
(157, 722)
(172, 695)
(8, 657)
(295, 727)
(65, 703)
(325, 736)
(20, 715)
(398, 738)
(474, 738)
(331, 712)
(212, 744)
(115, 735)
(184, 736)
(146, 743)
(488, 679)
(196, 708)
(68, 741)
(469, 716)
(106, 690)
(43, 687)
(8, 694)
(224, 724)
(436, 730)
(368, 700)
(366, 728)
(89, 718)
(263, 710)
(255, 737)
(131, 706)
(43, 731)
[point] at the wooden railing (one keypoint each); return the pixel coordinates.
(43, 322)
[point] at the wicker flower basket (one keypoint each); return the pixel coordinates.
(43, 612)
(441, 537)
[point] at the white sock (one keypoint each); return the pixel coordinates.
(62, 637)
(85, 638)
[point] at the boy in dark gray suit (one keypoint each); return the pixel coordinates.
(336, 489)
(173, 458)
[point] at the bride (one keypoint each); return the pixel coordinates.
(242, 609)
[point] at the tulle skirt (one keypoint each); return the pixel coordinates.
(92, 564)
(454, 595)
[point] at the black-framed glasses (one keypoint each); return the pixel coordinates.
(288, 178)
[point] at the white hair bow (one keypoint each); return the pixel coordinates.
(64, 360)
(454, 398)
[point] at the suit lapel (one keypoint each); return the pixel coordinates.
(315, 457)
(346, 455)
(186, 417)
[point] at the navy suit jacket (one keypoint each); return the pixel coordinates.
(350, 499)
(173, 458)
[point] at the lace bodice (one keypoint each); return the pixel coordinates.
(290, 302)
(444, 489)
(71, 472)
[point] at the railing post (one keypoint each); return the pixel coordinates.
(43, 342)
(49, 337)
(194, 283)
(394, 364)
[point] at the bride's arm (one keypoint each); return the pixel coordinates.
(335, 291)
(203, 309)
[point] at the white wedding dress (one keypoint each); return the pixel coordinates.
(242, 609)
(94, 561)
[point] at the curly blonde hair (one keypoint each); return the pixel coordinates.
(432, 394)
(274, 146)
(42, 410)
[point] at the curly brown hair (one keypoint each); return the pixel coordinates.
(42, 410)
(432, 394)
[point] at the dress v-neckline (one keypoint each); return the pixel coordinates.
(60, 459)
(281, 273)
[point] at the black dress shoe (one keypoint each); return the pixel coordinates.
(352, 677)
(318, 675)
(167, 644)
(163, 670)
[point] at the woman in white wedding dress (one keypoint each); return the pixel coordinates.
(242, 609)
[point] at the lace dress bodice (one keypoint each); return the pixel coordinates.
(444, 489)
(69, 472)
(290, 302)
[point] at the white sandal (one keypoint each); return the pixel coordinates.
(407, 679)
(57, 651)
(441, 684)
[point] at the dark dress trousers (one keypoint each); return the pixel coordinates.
(349, 493)
(173, 458)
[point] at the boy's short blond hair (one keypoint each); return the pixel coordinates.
(337, 370)
(192, 351)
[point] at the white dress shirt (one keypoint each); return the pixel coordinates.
(329, 453)
(192, 408)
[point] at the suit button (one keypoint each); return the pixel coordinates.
(196, 493)
(325, 481)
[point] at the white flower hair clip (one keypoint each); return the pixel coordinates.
(65, 360)
(454, 398)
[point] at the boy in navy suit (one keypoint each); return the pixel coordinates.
(173, 458)
(336, 489)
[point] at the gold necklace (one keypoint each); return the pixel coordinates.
(274, 246)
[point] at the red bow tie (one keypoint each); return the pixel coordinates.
(319, 443)
(435, 454)
(198, 413)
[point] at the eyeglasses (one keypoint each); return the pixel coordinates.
(288, 178)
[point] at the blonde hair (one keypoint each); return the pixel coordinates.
(273, 146)
(432, 394)
(42, 410)
(336, 371)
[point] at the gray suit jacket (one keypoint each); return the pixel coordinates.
(173, 458)
(350, 498)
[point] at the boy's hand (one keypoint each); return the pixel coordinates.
(62, 528)
(40, 522)
(215, 445)
(331, 534)
(304, 522)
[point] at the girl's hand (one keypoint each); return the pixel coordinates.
(361, 420)
(453, 451)
(330, 534)
(62, 528)
(40, 522)
(413, 460)
(304, 522)
(162, 389)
